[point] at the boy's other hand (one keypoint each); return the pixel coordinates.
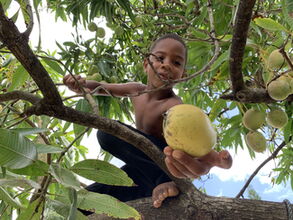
(71, 83)
(182, 165)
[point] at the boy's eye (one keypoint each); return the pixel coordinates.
(177, 63)
(160, 58)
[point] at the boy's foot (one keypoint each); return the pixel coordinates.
(162, 191)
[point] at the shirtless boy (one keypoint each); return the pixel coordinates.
(166, 62)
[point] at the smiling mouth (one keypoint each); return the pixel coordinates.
(164, 77)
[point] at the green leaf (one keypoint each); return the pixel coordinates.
(104, 204)
(218, 106)
(33, 211)
(16, 151)
(64, 176)
(102, 172)
(48, 149)
(5, 4)
(269, 24)
(5, 196)
(63, 209)
(287, 11)
(17, 182)
(82, 105)
(29, 131)
(73, 206)
(224, 56)
(54, 65)
(38, 168)
(18, 78)
(126, 6)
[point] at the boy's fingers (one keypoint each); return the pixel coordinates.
(173, 170)
(193, 166)
(178, 169)
(168, 151)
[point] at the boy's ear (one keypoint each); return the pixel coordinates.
(145, 63)
(184, 74)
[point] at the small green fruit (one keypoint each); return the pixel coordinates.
(119, 30)
(277, 118)
(256, 141)
(97, 77)
(101, 32)
(276, 60)
(92, 70)
(253, 119)
(279, 89)
(138, 20)
(113, 79)
(92, 26)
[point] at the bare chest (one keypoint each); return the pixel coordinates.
(149, 116)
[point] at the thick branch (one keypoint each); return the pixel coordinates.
(19, 95)
(17, 43)
(249, 96)
(210, 208)
(243, 18)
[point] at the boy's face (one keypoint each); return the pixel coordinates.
(168, 61)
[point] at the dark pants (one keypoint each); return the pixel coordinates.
(139, 167)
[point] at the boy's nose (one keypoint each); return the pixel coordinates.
(166, 64)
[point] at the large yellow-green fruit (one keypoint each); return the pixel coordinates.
(187, 128)
(289, 80)
(253, 119)
(277, 118)
(276, 60)
(256, 141)
(279, 90)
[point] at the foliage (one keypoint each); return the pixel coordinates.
(27, 145)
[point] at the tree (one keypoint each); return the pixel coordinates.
(228, 72)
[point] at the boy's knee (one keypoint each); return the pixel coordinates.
(104, 140)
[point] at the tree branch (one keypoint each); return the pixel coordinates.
(274, 154)
(20, 95)
(18, 45)
(243, 18)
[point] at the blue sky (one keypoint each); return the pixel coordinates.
(215, 187)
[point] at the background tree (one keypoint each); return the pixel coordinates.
(229, 70)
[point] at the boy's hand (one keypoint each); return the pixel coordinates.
(182, 165)
(71, 83)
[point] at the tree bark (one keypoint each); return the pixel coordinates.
(187, 207)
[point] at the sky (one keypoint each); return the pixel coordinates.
(218, 182)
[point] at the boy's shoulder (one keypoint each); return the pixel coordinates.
(174, 100)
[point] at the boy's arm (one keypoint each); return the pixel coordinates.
(120, 90)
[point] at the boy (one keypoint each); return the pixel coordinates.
(166, 62)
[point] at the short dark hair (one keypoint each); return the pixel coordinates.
(170, 36)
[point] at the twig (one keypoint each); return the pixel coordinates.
(274, 154)
(216, 51)
(71, 144)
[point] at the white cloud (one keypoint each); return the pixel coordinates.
(220, 193)
(243, 166)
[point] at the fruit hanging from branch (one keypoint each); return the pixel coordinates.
(256, 141)
(253, 119)
(277, 118)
